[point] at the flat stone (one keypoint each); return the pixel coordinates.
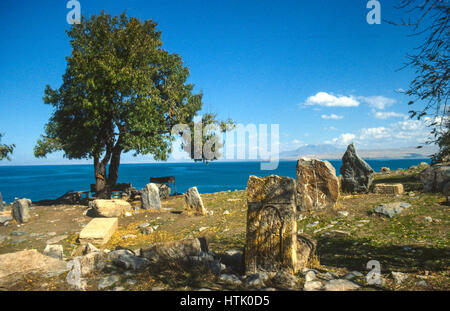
(312, 286)
(5, 219)
(14, 266)
(391, 209)
(388, 189)
(341, 285)
(110, 208)
(99, 230)
(230, 279)
(55, 251)
(108, 281)
(57, 239)
(127, 260)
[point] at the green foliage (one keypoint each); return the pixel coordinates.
(209, 129)
(6, 150)
(430, 88)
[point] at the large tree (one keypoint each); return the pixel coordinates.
(6, 150)
(121, 92)
(430, 20)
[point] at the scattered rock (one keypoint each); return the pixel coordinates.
(164, 191)
(194, 203)
(388, 189)
(341, 285)
(353, 275)
(422, 283)
(385, 170)
(312, 286)
(230, 279)
(18, 233)
(256, 280)
(150, 198)
(175, 250)
(429, 219)
(55, 251)
(129, 236)
(391, 209)
(4, 220)
(317, 185)
(57, 239)
(357, 175)
(14, 266)
(108, 281)
(127, 260)
(110, 208)
(399, 277)
(310, 276)
(285, 279)
(435, 177)
(343, 213)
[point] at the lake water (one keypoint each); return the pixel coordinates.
(51, 181)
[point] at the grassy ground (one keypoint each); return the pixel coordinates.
(408, 243)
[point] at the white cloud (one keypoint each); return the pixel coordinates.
(329, 100)
(390, 114)
(343, 139)
(378, 102)
(331, 116)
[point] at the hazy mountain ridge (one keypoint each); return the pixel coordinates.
(328, 151)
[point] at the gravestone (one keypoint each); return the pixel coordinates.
(21, 210)
(194, 203)
(1, 202)
(150, 197)
(388, 189)
(271, 242)
(317, 185)
(110, 208)
(357, 175)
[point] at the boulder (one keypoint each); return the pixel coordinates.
(175, 251)
(110, 208)
(5, 219)
(150, 197)
(14, 266)
(357, 175)
(55, 251)
(126, 259)
(341, 285)
(21, 210)
(99, 230)
(164, 191)
(391, 209)
(317, 185)
(435, 177)
(194, 203)
(388, 189)
(385, 170)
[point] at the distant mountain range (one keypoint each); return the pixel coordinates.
(331, 152)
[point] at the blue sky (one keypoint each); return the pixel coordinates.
(316, 68)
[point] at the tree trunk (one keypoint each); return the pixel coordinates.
(105, 183)
(103, 191)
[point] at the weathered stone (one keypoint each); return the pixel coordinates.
(399, 277)
(388, 189)
(312, 286)
(164, 191)
(55, 251)
(230, 279)
(84, 249)
(317, 185)
(341, 285)
(391, 209)
(127, 260)
(74, 278)
(5, 219)
(14, 266)
(385, 170)
(21, 210)
(353, 275)
(271, 242)
(256, 280)
(108, 281)
(194, 203)
(233, 259)
(56, 239)
(306, 248)
(150, 197)
(1, 202)
(92, 262)
(110, 208)
(435, 177)
(175, 250)
(357, 175)
(285, 279)
(99, 230)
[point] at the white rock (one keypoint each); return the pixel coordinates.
(341, 285)
(312, 286)
(399, 277)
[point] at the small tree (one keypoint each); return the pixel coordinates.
(121, 92)
(431, 64)
(6, 150)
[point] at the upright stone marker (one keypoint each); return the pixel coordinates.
(20, 210)
(357, 175)
(194, 203)
(317, 185)
(271, 225)
(1, 202)
(150, 197)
